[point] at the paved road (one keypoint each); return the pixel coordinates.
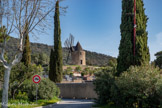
(70, 103)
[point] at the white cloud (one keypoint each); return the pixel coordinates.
(155, 45)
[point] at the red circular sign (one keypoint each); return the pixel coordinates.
(36, 78)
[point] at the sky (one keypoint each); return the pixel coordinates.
(96, 25)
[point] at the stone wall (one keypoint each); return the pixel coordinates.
(77, 90)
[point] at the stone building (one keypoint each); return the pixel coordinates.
(78, 55)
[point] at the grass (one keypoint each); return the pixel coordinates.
(28, 104)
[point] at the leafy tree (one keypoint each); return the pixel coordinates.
(26, 56)
(126, 57)
(58, 60)
(16, 17)
(40, 59)
(158, 61)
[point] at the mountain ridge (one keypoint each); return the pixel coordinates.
(92, 58)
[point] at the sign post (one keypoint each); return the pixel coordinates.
(36, 80)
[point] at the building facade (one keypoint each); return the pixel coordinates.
(78, 55)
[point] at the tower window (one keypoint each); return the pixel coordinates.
(81, 62)
(80, 53)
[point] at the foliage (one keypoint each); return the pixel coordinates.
(103, 83)
(158, 53)
(158, 61)
(3, 32)
(68, 71)
(18, 101)
(0, 94)
(47, 89)
(22, 96)
(105, 106)
(78, 69)
(138, 87)
(28, 104)
(19, 74)
(1, 72)
(58, 60)
(126, 57)
(51, 65)
(86, 71)
(142, 55)
(48, 92)
(40, 58)
(26, 56)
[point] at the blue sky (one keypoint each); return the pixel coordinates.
(96, 24)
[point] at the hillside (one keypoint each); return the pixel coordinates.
(92, 58)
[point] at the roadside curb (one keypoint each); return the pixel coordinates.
(48, 106)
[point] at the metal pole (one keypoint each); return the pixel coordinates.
(134, 37)
(36, 92)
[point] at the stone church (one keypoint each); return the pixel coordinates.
(78, 55)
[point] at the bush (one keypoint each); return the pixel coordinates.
(46, 89)
(19, 74)
(103, 83)
(138, 87)
(22, 96)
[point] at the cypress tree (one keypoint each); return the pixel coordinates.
(126, 57)
(26, 56)
(51, 65)
(56, 73)
(142, 51)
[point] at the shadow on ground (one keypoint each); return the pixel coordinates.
(72, 103)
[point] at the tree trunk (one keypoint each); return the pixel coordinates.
(5, 87)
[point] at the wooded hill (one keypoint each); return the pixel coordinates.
(92, 58)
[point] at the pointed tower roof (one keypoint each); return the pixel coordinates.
(78, 47)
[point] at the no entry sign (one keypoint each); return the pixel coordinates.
(36, 78)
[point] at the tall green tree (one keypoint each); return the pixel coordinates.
(158, 60)
(51, 65)
(126, 57)
(26, 56)
(58, 61)
(142, 51)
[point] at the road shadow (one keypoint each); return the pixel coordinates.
(72, 103)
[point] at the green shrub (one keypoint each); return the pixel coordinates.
(103, 82)
(138, 87)
(19, 74)
(22, 96)
(18, 101)
(46, 89)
